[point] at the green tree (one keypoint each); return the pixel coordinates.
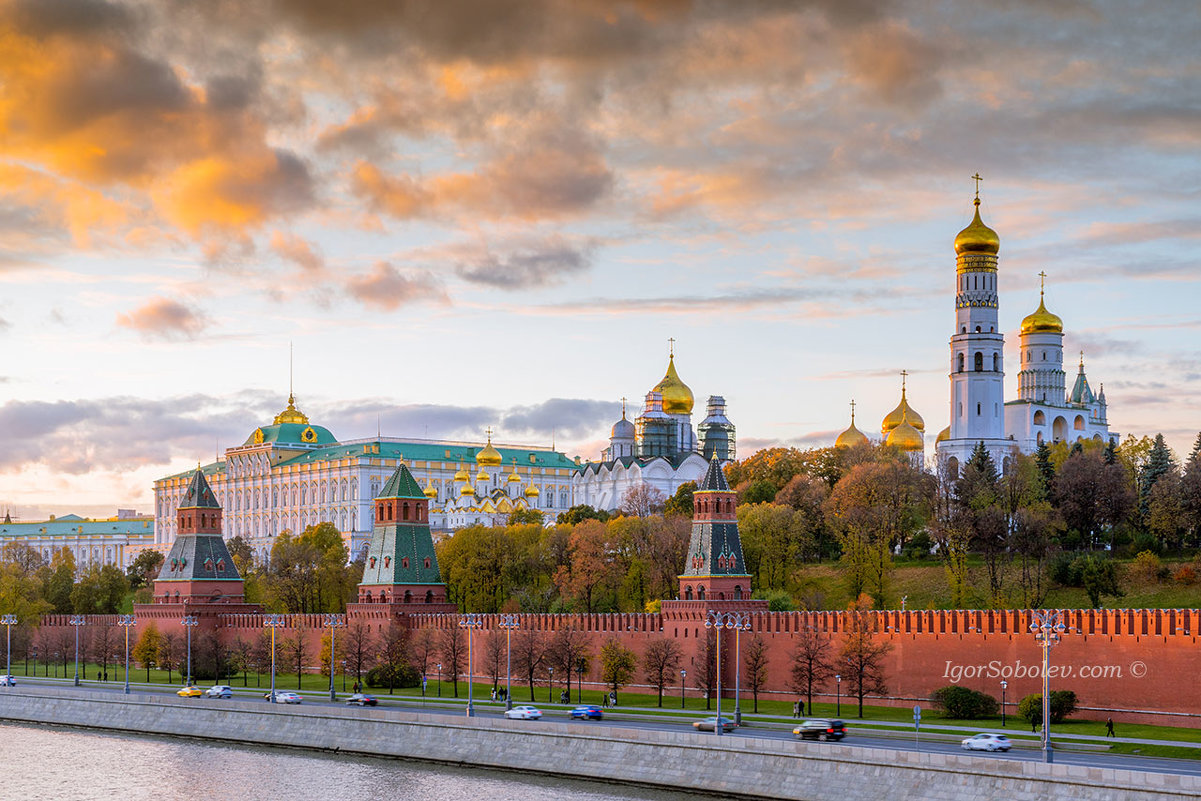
(145, 651)
(522, 517)
(59, 580)
(310, 573)
(144, 569)
(99, 591)
(617, 664)
(774, 539)
(760, 491)
(681, 502)
(1160, 462)
(981, 515)
(581, 512)
(1098, 576)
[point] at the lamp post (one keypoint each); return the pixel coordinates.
(838, 684)
(9, 621)
(727, 620)
(1004, 684)
(127, 622)
(683, 675)
(189, 622)
(35, 662)
(470, 622)
(580, 666)
(550, 684)
(1048, 629)
(344, 677)
(273, 622)
(77, 621)
(508, 623)
(439, 679)
(333, 621)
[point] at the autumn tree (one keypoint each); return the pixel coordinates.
(660, 662)
(168, 652)
(144, 569)
(423, 650)
(241, 660)
(360, 645)
(310, 573)
(680, 504)
(617, 664)
(1092, 496)
(589, 570)
(774, 540)
(1160, 462)
(979, 513)
(394, 656)
(453, 648)
(754, 666)
(567, 646)
(704, 665)
(1033, 529)
(295, 650)
(145, 652)
(861, 657)
(642, 500)
(494, 656)
(529, 655)
(811, 662)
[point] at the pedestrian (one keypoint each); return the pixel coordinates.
(493, 693)
(1109, 728)
(612, 699)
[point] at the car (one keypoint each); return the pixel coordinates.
(219, 691)
(586, 712)
(8, 681)
(362, 699)
(191, 691)
(284, 697)
(710, 724)
(987, 742)
(820, 729)
(524, 713)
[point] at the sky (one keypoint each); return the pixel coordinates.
(460, 214)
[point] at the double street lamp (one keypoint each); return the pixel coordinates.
(439, 666)
(333, 621)
(77, 621)
(1048, 629)
(273, 622)
(508, 623)
(9, 621)
(470, 622)
(837, 709)
(1004, 685)
(739, 622)
(126, 622)
(189, 622)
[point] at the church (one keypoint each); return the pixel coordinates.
(1044, 410)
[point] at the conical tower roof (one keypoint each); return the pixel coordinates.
(401, 485)
(199, 495)
(715, 479)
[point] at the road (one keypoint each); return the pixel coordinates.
(633, 720)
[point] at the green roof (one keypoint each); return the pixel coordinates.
(76, 527)
(199, 495)
(293, 434)
(429, 451)
(401, 485)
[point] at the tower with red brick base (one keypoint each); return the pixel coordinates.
(198, 569)
(714, 569)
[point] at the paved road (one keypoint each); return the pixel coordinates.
(862, 739)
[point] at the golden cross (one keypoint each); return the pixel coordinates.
(904, 373)
(671, 346)
(977, 179)
(1042, 282)
(852, 410)
(623, 407)
(488, 431)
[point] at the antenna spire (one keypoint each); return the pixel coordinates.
(291, 395)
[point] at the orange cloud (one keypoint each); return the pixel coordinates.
(162, 318)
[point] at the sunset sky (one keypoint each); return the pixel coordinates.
(471, 213)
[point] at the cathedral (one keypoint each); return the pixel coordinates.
(660, 448)
(1044, 410)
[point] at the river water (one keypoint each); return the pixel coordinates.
(56, 764)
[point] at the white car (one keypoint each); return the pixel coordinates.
(987, 742)
(8, 681)
(219, 691)
(284, 697)
(524, 713)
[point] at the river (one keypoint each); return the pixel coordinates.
(53, 764)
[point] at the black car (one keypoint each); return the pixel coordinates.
(821, 729)
(362, 699)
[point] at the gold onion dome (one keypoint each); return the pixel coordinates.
(531, 491)
(489, 456)
(461, 475)
(430, 490)
(977, 237)
(944, 435)
(677, 397)
(852, 437)
(1042, 321)
(513, 477)
(482, 476)
(900, 414)
(291, 414)
(467, 489)
(905, 437)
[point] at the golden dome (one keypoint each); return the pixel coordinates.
(430, 490)
(905, 437)
(1042, 321)
(852, 437)
(514, 478)
(489, 456)
(482, 477)
(291, 414)
(677, 397)
(531, 491)
(467, 489)
(944, 435)
(461, 475)
(977, 237)
(901, 413)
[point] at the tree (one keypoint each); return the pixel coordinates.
(211, 655)
(660, 662)
(523, 517)
(979, 514)
(589, 570)
(168, 652)
(861, 657)
(581, 512)
(811, 666)
(705, 665)
(1166, 517)
(242, 555)
(1092, 496)
(494, 655)
(961, 703)
(566, 648)
(145, 651)
(453, 648)
(757, 492)
(310, 573)
(1031, 540)
(1098, 576)
(104, 639)
(1160, 462)
(1063, 703)
(642, 500)
(144, 569)
(617, 663)
(360, 644)
(680, 504)
(99, 591)
(774, 540)
(394, 656)
(294, 651)
(241, 660)
(754, 666)
(529, 654)
(60, 581)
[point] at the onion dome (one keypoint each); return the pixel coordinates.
(944, 435)
(489, 456)
(532, 492)
(852, 437)
(482, 477)
(291, 414)
(905, 437)
(513, 477)
(677, 397)
(623, 428)
(903, 412)
(430, 490)
(462, 474)
(977, 237)
(467, 489)
(1042, 321)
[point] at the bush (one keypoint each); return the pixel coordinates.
(386, 676)
(777, 600)
(961, 703)
(1148, 568)
(1063, 703)
(1186, 575)
(918, 547)
(1063, 570)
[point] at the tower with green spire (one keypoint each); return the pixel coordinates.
(198, 569)
(714, 569)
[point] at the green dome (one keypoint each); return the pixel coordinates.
(292, 434)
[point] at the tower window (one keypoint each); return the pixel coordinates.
(961, 362)
(977, 329)
(996, 362)
(963, 329)
(977, 410)
(979, 359)
(1044, 355)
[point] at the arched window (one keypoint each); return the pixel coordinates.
(688, 593)
(953, 469)
(404, 512)
(700, 593)
(1040, 419)
(408, 597)
(737, 592)
(979, 360)
(996, 362)
(429, 596)
(1078, 423)
(961, 362)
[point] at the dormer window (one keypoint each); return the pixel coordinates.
(371, 562)
(404, 562)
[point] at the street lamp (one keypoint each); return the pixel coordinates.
(189, 622)
(9, 621)
(333, 621)
(470, 622)
(838, 684)
(273, 622)
(550, 684)
(1004, 684)
(344, 675)
(1048, 629)
(727, 620)
(127, 622)
(581, 665)
(77, 621)
(508, 623)
(683, 675)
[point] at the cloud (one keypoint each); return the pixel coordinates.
(566, 417)
(387, 289)
(523, 264)
(298, 251)
(165, 319)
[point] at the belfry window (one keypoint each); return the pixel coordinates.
(977, 410)
(996, 362)
(961, 362)
(979, 360)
